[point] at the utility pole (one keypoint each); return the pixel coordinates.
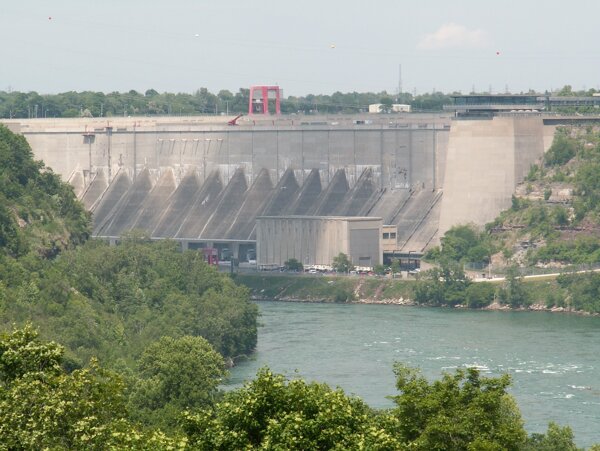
(399, 79)
(134, 151)
(109, 131)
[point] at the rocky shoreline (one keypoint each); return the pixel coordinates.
(407, 302)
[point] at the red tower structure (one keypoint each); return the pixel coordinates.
(259, 99)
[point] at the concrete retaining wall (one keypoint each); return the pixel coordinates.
(485, 161)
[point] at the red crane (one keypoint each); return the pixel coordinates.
(234, 120)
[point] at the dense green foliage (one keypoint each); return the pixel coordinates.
(443, 285)
(478, 295)
(463, 243)
(293, 265)
(150, 103)
(583, 291)
(175, 374)
(581, 250)
(447, 285)
(272, 413)
(106, 303)
(44, 407)
(341, 263)
(111, 302)
(38, 212)
(461, 411)
(513, 292)
(563, 148)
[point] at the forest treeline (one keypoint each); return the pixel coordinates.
(202, 102)
(16, 104)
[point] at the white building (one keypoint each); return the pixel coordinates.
(396, 108)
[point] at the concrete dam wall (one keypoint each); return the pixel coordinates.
(486, 159)
(200, 181)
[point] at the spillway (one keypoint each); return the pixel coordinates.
(198, 179)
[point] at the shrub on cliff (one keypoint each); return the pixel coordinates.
(38, 212)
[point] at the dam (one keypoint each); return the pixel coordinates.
(203, 182)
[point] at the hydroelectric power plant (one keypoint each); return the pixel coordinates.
(204, 182)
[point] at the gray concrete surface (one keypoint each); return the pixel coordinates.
(199, 179)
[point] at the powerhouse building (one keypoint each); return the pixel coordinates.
(316, 240)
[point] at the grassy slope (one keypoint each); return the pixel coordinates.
(324, 288)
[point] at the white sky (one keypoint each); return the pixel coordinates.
(305, 46)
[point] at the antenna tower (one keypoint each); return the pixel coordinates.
(399, 79)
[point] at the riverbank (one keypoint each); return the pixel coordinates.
(545, 294)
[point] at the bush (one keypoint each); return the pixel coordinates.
(341, 263)
(480, 294)
(563, 148)
(463, 243)
(293, 265)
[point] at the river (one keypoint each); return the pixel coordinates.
(554, 359)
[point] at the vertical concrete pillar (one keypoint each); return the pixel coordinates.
(410, 166)
(235, 249)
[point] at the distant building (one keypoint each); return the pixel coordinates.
(389, 242)
(316, 240)
(396, 108)
(488, 105)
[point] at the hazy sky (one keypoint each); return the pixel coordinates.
(305, 46)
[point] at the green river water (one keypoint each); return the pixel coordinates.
(554, 359)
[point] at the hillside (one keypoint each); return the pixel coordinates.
(553, 225)
(163, 320)
(555, 215)
(38, 212)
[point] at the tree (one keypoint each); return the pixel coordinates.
(379, 270)
(555, 438)
(563, 148)
(293, 265)
(386, 105)
(43, 407)
(31, 194)
(21, 353)
(465, 243)
(341, 263)
(513, 292)
(479, 294)
(461, 411)
(271, 412)
(176, 374)
(561, 216)
(444, 285)
(395, 266)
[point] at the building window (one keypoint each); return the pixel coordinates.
(393, 235)
(386, 236)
